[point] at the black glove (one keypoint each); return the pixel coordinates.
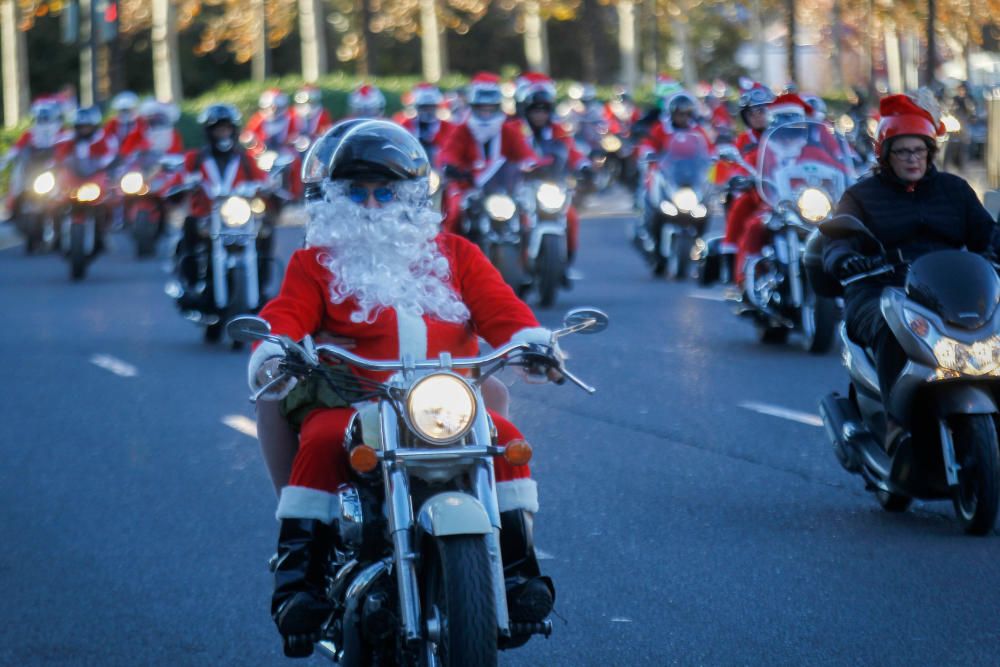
(855, 264)
(456, 173)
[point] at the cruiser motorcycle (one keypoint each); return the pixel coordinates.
(803, 168)
(416, 576)
(144, 184)
(86, 212)
(546, 196)
(34, 184)
(944, 446)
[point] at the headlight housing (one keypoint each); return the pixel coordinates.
(265, 161)
(551, 197)
(955, 357)
(500, 207)
(610, 143)
(236, 212)
(814, 204)
(685, 199)
(88, 192)
(441, 408)
(44, 183)
(132, 183)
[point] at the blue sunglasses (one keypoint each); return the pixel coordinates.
(359, 194)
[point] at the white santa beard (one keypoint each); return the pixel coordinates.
(384, 257)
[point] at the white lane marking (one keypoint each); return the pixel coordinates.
(543, 555)
(621, 619)
(244, 425)
(10, 242)
(708, 296)
(114, 365)
(806, 418)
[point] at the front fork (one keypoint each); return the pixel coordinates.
(222, 261)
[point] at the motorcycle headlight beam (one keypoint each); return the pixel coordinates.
(433, 182)
(610, 143)
(500, 207)
(44, 183)
(236, 212)
(981, 357)
(668, 208)
(441, 408)
(685, 199)
(88, 192)
(551, 198)
(132, 183)
(266, 160)
(814, 204)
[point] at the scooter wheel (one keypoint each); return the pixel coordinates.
(298, 646)
(893, 502)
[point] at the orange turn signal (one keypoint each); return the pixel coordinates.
(363, 459)
(517, 452)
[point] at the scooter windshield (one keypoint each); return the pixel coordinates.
(686, 162)
(800, 156)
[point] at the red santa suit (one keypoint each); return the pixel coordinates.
(304, 306)
(658, 139)
(218, 178)
(434, 136)
(462, 151)
(119, 130)
(101, 147)
(313, 125)
(279, 131)
(140, 142)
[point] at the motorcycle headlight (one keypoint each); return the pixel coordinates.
(872, 126)
(955, 357)
(44, 183)
(610, 143)
(685, 199)
(699, 211)
(433, 182)
(668, 208)
(302, 144)
(441, 408)
(500, 207)
(951, 124)
(132, 183)
(88, 192)
(258, 205)
(236, 212)
(265, 161)
(845, 124)
(551, 197)
(814, 204)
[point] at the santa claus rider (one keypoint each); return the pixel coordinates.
(478, 143)
(377, 270)
(423, 122)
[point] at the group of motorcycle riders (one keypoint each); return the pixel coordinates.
(378, 276)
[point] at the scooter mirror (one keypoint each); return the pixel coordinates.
(591, 320)
(847, 226)
(247, 328)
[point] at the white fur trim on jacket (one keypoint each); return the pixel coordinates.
(518, 494)
(301, 502)
(537, 335)
(266, 350)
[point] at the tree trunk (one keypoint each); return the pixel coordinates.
(15, 65)
(312, 34)
(366, 65)
(430, 42)
(260, 65)
(627, 44)
(930, 74)
(838, 53)
(535, 45)
(592, 32)
(166, 63)
(682, 47)
(760, 41)
(893, 65)
(792, 29)
(651, 59)
(88, 55)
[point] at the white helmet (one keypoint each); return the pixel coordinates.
(126, 101)
(366, 101)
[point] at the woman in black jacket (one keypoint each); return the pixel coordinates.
(910, 207)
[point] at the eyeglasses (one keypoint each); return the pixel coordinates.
(359, 194)
(907, 154)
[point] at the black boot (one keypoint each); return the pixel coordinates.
(530, 595)
(299, 606)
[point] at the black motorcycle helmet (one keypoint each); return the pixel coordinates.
(363, 149)
(215, 115)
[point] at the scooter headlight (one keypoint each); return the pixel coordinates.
(551, 197)
(88, 192)
(132, 183)
(441, 408)
(699, 211)
(236, 212)
(433, 182)
(44, 183)
(814, 204)
(611, 143)
(955, 357)
(685, 199)
(668, 208)
(266, 160)
(500, 207)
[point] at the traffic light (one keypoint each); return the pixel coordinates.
(106, 20)
(69, 22)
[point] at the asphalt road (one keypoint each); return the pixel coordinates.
(681, 522)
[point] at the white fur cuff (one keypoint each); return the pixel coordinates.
(536, 335)
(301, 502)
(518, 494)
(266, 350)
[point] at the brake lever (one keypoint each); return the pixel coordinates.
(267, 387)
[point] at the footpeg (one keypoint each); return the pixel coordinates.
(544, 628)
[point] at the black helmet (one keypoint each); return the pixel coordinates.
(681, 102)
(366, 150)
(219, 113)
(539, 97)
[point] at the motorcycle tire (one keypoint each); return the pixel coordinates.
(893, 502)
(677, 263)
(213, 332)
(145, 235)
(551, 268)
(507, 260)
(774, 335)
(77, 254)
(819, 317)
(977, 496)
(458, 588)
(32, 234)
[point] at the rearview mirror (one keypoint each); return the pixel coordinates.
(590, 320)
(247, 328)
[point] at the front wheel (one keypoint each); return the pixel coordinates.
(977, 496)
(459, 603)
(507, 260)
(819, 317)
(77, 252)
(550, 268)
(893, 502)
(145, 229)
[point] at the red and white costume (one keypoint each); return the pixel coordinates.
(277, 131)
(102, 148)
(313, 125)
(218, 178)
(142, 141)
(304, 306)
(658, 139)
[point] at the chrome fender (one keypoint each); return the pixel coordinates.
(453, 513)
